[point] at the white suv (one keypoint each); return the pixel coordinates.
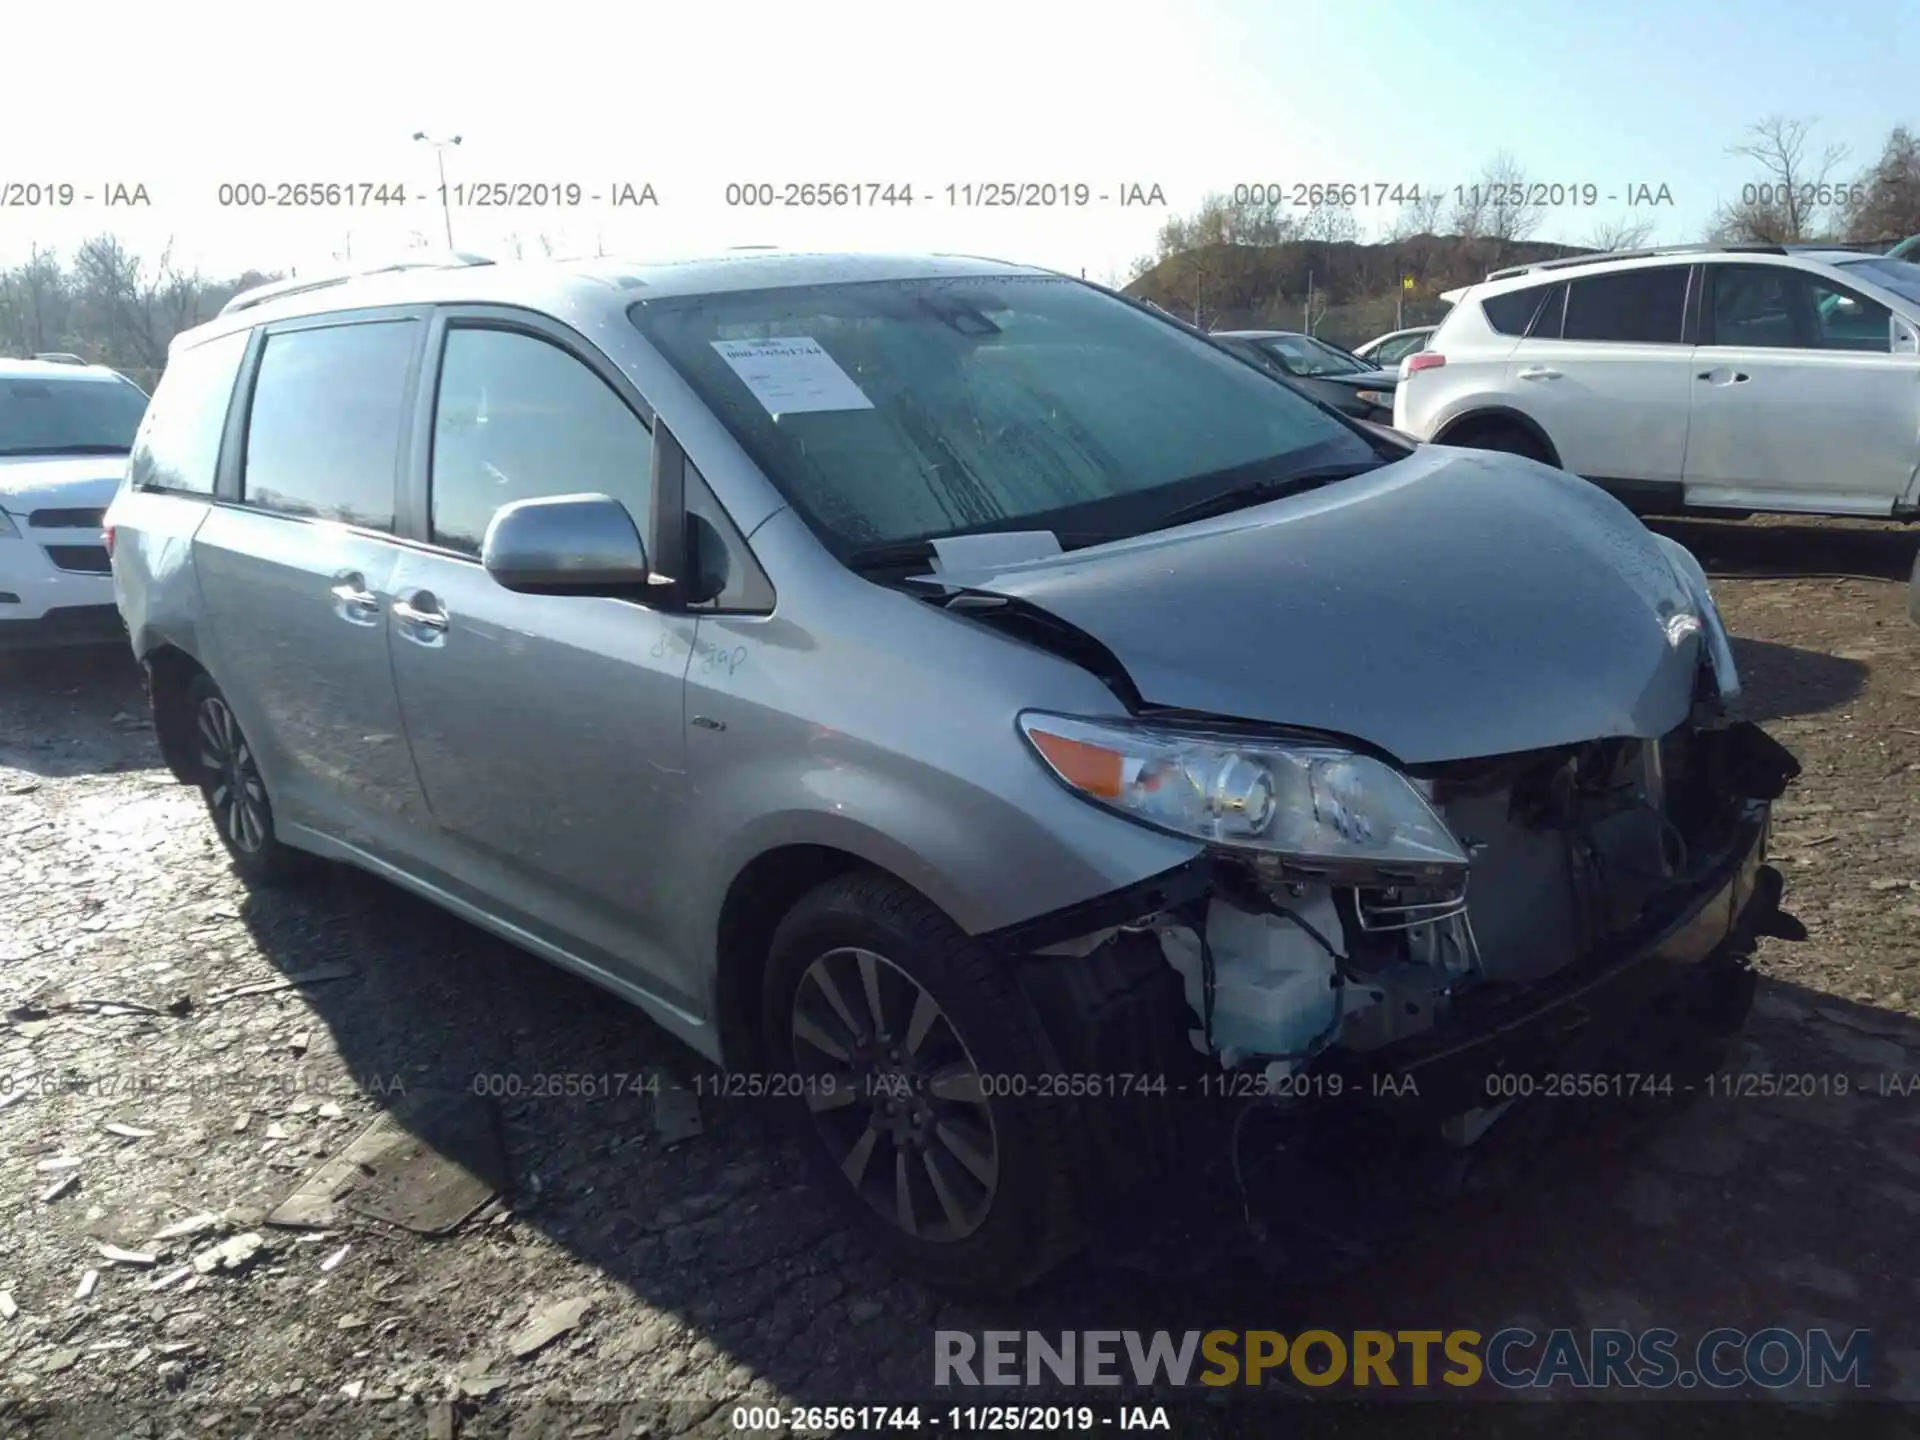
(65, 430)
(1736, 378)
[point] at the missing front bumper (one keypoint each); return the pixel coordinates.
(1651, 982)
(1357, 1143)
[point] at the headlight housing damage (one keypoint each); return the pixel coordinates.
(1317, 805)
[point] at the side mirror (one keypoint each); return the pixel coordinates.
(1903, 337)
(566, 545)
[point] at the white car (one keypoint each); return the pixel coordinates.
(1742, 378)
(1391, 348)
(65, 430)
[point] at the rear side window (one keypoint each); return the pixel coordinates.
(519, 418)
(178, 447)
(323, 437)
(1644, 307)
(1509, 314)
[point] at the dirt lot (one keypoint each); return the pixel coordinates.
(705, 1273)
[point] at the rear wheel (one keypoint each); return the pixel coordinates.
(918, 1065)
(235, 793)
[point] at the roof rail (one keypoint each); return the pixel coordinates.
(59, 357)
(1646, 252)
(276, 289)
(1859, 247)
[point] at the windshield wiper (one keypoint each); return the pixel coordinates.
(1256, 492)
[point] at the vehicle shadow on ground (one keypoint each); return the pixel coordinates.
(1733, 549)
(724, 1233)
(1781, 681)
(77, 707)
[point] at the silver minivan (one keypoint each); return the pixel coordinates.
(1006, 728)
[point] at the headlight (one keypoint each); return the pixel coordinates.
(7, 528)
(1382, 398)
(1312, 802)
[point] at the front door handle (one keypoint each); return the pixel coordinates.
(352, 601)
(427, 616)
(1724, 377)
(1539, 372)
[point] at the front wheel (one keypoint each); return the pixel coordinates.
(235, 793)
(921, 1082)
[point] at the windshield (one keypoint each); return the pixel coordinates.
(1304, 355)
(62, 415)
(891, 411)
(1900, 276)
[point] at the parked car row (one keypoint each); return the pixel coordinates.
(946, 688)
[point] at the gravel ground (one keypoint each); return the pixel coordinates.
(626, 1281)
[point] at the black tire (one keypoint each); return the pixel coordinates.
(236, 795)
(969, 1234)
(1507, 439)
(1913, 593)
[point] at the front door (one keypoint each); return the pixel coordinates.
(548, 731)
(1798, 401)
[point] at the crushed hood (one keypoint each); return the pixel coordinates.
(33, 482)
(1455, 604)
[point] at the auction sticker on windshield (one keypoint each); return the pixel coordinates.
(791, 373)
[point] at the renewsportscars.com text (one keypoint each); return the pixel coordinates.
(1772, 1358)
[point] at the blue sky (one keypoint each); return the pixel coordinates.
(1192, 95)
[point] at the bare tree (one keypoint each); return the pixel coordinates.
(1418, 216)
(1619, 234)
(1331, 223)
(1883, 202)
(34, 304)
(1794, 199)
(1494, 205)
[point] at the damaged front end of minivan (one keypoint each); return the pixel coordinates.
(1398, 965)
(1506, 935)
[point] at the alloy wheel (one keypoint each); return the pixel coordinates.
(895, 1095)
(235, 791)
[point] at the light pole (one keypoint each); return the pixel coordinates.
(440, 157)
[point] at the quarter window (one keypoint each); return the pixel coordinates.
(323, 437)
(518, 418)
(1510, 313)
(1630, 307)
(178, 445)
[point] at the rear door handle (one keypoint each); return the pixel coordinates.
(353, 602)
(1539, 372)
(1723, 377)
